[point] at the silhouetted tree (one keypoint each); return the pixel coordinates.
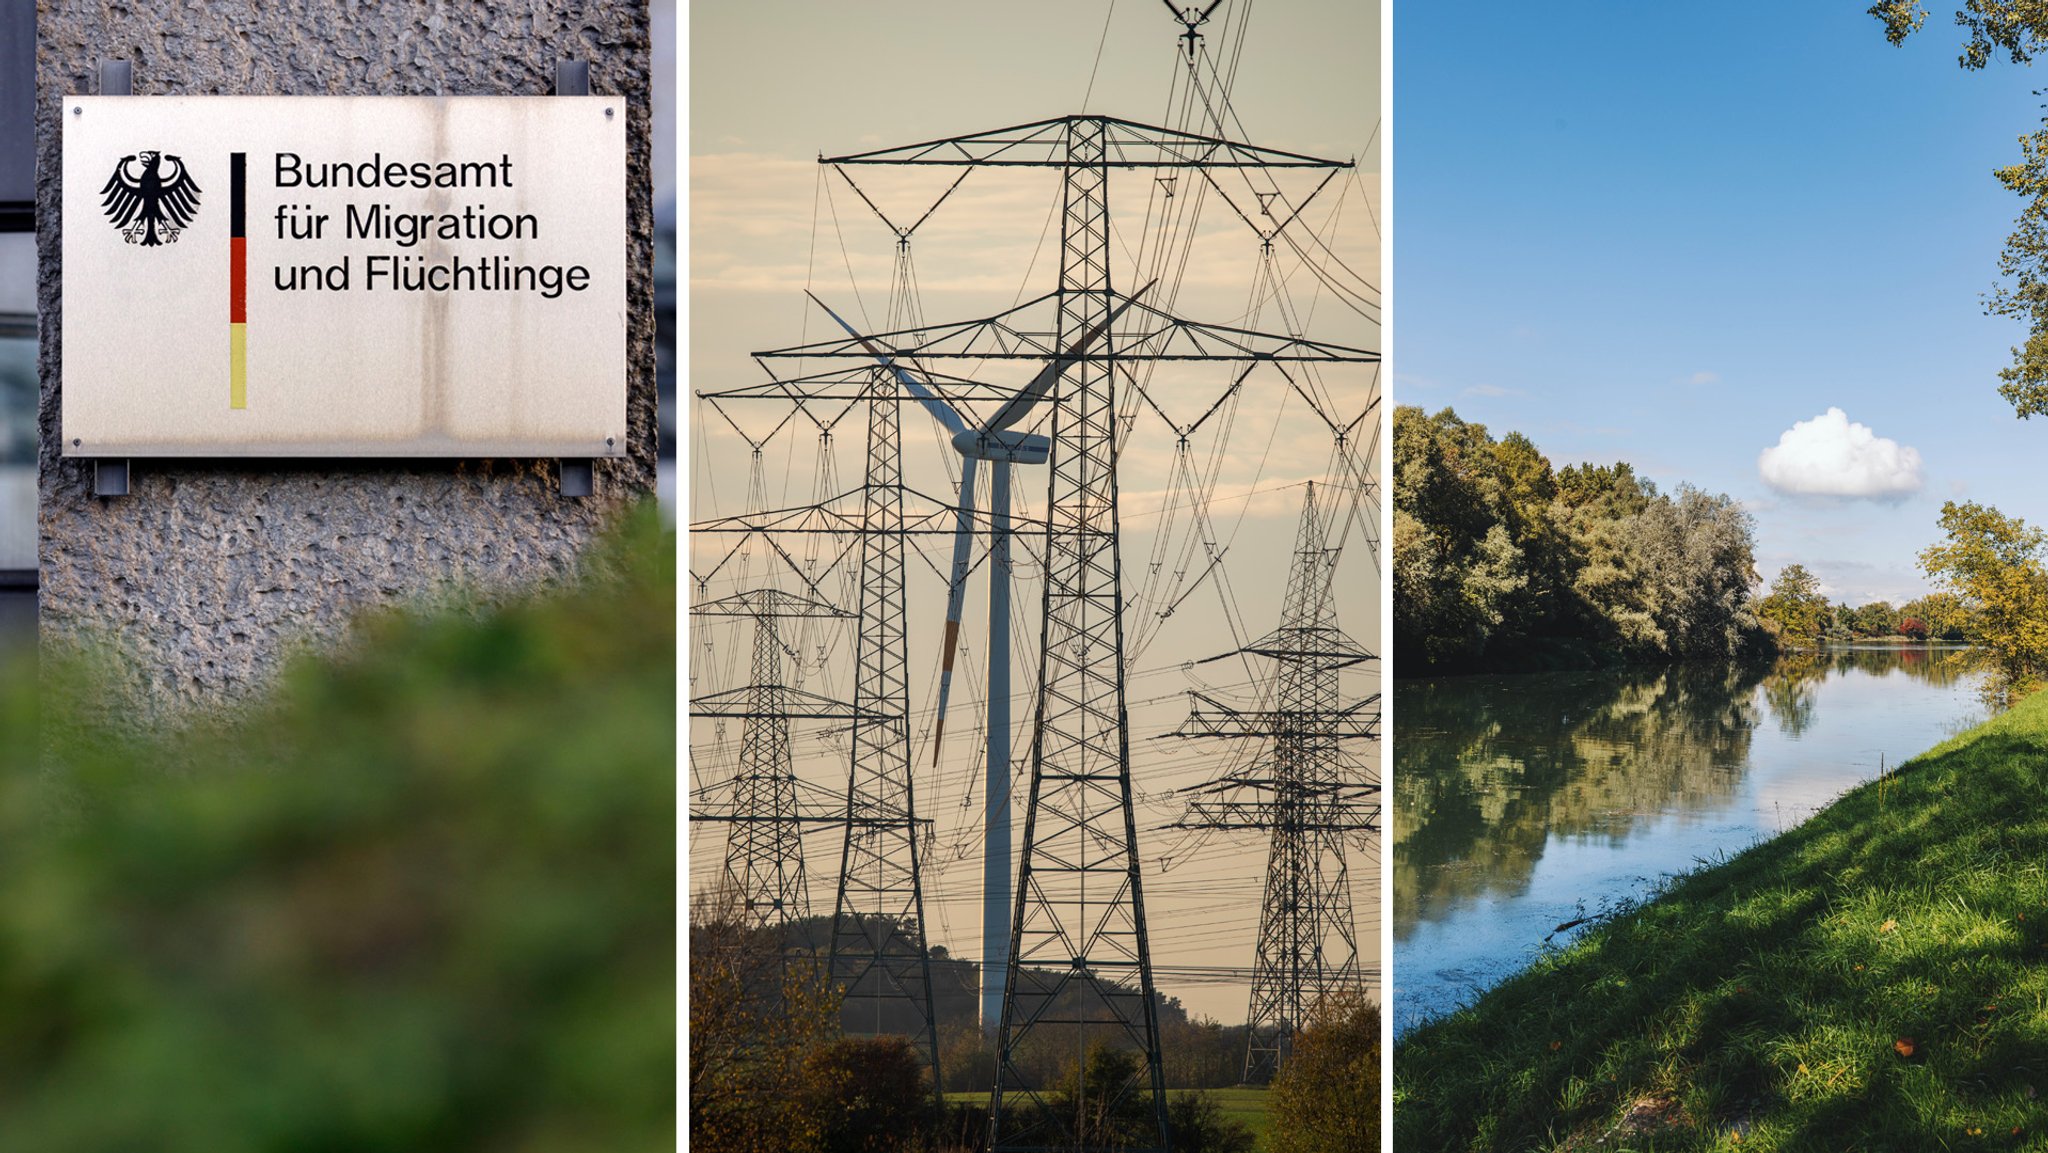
(1326, 1098)
(869, 1094)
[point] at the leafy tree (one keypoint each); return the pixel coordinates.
(1201, 1053)
(1877, 619)
(1326, 1098)
(1597, 508)
(1796, 605)
(1993, 563)
(1106, 1102)
(1499, 559)
(1945, 614)
(1613, 492)
(1528, 489)
(868, 1094)
(757, 1017)
(2018, 30)
(1696, 555)
(967, 1057)
(1458, 574)
(1196, 1123)
(1913, 628)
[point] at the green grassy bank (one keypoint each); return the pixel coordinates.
(1876, 979)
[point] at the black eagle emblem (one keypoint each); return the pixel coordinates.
(149, 207)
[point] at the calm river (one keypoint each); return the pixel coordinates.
(1523, 802)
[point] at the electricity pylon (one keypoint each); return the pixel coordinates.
(879, 955)
(1302, 790)
(765, 803)
(1079, 962)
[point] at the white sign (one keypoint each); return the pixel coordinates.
(270, 276)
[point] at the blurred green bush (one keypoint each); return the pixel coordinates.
(421, 898)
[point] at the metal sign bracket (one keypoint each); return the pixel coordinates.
(575, 478)
(110, 476)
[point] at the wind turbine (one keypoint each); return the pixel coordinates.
(992, 442)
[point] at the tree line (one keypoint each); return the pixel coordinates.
(776, 1067)
(1993, 593)
(1802, 614)
(1503, 562)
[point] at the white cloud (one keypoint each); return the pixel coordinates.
(1832, 456)
(1704, 377)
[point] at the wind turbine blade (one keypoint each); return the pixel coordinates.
(938, 408)
(1015, 408)
(956, 594)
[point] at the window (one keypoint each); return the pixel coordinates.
(17, 323)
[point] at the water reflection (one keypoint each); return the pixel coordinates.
(1789, 690)
(1520, 801)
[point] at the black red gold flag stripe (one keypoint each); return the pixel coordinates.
(238, 281)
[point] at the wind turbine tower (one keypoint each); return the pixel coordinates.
(1078, 964)
(990, 442)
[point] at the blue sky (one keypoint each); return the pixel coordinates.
(1666, 234)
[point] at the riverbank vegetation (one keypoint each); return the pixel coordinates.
(1992, 564)
(1503, 563)
(1872, 979)
(1800, 614)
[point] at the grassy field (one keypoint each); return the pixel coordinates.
(1246, 1105)
(1876, 979)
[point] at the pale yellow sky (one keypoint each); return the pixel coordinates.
(772, 86)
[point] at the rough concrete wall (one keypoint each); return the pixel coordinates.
(209, 574)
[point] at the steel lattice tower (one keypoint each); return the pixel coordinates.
(1079, 966)
(1079, 957)
(878, 952)
(766, 859)
(1079, 932)
(1068, 944)
(765, 804)
(1304, 792)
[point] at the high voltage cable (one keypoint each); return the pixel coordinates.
(1189, 498)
